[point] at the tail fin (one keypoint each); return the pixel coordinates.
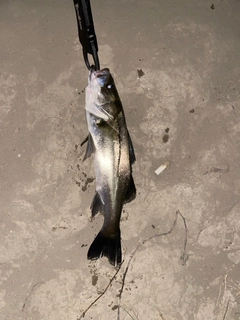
(109, 247)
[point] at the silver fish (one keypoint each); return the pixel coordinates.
(111, 144)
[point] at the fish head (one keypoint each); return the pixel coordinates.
(102, 99)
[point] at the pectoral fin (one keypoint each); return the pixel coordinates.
(90, 146)
(98, 111)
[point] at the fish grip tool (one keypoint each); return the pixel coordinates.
(86, 32)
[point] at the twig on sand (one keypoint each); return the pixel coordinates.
(123, 280)
(110, 282)
(226, 310)
(130, 314)
(184, 256)
(30, 293)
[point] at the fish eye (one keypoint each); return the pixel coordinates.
(110, 87)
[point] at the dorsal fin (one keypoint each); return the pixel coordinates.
(131, 191)
(131, 150)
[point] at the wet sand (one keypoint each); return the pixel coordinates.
(176, 66)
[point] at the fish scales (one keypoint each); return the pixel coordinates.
(111, 144)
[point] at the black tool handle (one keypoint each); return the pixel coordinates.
(86, 32)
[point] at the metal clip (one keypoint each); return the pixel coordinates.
(86, 32)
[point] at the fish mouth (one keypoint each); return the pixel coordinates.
(102, 73)
(100, 76)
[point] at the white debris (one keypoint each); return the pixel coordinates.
(162, 167)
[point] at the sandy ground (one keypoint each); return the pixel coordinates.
(176, 65)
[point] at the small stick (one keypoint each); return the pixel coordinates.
(110, 282)
(184, 256)
(226, 310)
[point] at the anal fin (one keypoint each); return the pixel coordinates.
(97, 205)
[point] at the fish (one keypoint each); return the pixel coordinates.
(110, 142)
